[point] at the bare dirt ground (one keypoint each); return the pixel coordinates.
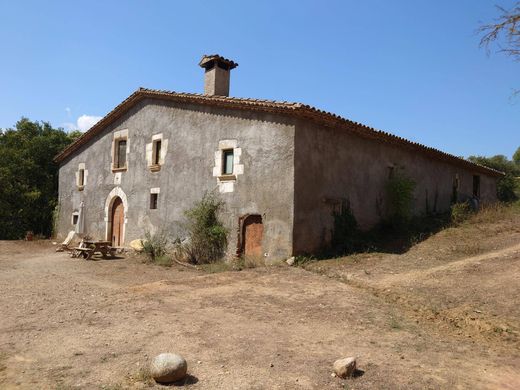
(422, 320)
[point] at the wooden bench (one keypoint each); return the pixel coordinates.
(86, 253)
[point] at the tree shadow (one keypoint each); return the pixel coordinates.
(393, 238)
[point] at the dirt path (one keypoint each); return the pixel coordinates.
(454, 266)
(68, 323)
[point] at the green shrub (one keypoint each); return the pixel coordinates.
(155, 245)
(399, 191)
(207, 236)
(460, 212)
(506, 188)
(345, 233)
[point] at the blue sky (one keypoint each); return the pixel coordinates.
(413, 68)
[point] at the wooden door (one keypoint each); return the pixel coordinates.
(118, 218)
(252, 234)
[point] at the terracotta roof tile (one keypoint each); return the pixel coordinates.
(282, 107)
(215, 57)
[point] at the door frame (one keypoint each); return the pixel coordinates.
(117, 192)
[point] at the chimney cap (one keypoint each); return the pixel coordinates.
(208, 60)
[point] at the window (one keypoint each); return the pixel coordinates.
(81, 178)
(156, 156)
(75, 217)
(476, 186)
(120, 154)
(153, 201)
(227, 162)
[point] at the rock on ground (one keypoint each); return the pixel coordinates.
(137, 245)
(168, 367)
(344, 368)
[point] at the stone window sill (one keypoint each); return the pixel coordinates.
(123, 169)
(227, 177)
(155, 167)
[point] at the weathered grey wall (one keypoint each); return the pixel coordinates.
(331, 164)
(193, 133)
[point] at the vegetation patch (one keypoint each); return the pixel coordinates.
(399, 192)
(207, 236)
(155, 247)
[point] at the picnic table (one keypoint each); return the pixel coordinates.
(90, 247)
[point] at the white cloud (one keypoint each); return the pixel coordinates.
(85, 122)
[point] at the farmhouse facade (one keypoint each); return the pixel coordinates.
(281, 168)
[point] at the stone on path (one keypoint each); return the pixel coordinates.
(344, 368)
(168, 367)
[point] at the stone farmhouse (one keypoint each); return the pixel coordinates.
(281, 168)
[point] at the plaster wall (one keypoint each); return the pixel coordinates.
(333, 164)
(193, 134)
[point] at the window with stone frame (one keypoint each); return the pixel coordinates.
(119, 155)
(81, 178)
(227, 161)
(156, 152)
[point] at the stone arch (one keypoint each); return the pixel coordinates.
(116, 192)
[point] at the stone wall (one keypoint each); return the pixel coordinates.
(333, 164)
(191, 136)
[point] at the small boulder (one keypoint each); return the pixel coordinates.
(137, 245)
(290, 260)
(168, 367)
(345, 368)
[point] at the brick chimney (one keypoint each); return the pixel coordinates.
(216, 74)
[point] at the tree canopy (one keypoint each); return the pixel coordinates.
(507, 187)
(29, 177)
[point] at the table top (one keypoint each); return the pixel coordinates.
(100, 242)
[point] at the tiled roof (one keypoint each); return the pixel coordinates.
(282, 107)
(215, 57)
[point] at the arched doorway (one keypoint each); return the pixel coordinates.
(252, 234)
(116, 205)
(117, 221)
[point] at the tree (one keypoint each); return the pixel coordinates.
(29, 177)
(505, 31)
(507, 185)
(516, 157)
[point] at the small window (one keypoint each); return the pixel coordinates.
(156, 152)
(75, 218)
(153, 201)
(120, 154)
(227, 162)
(476, 186)
(81, 178)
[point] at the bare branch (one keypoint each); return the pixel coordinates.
(505, 33)
(506, 29)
